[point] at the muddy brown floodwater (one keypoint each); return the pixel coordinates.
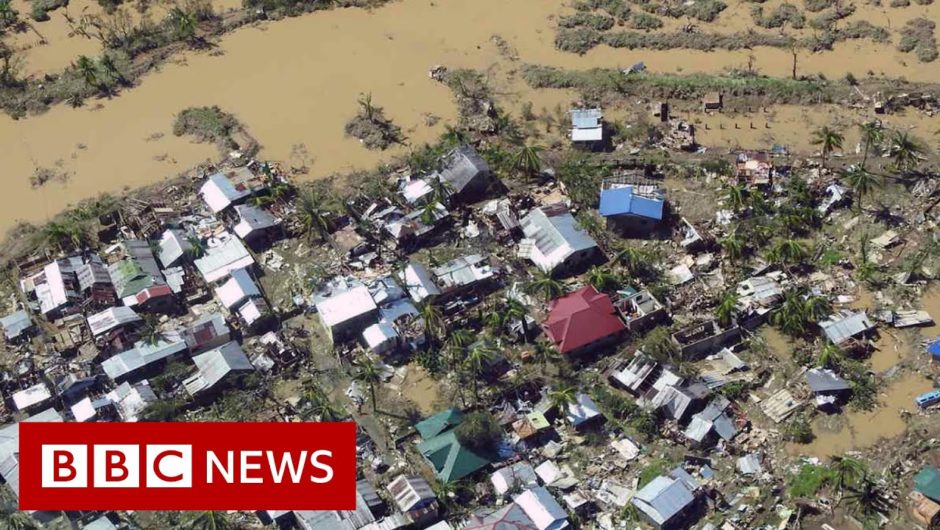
(294, 83)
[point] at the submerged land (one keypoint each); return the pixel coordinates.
(641, 264)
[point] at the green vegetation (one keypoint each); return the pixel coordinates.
(655, 468)
(809, 480)
(918, 36)
(782, 15)
(645, 21)
(480, 431)
(371, 127)
(207, 124)
(816, 6)
(40, 8)
(825, 20)
(588, 20)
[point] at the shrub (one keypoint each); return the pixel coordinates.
(816, 6)
(371, 127)
(798, 430)
(645, 21)
(808, 481)
(40, 8)
(705, 10)
(827, 19)
(207, 124)
(586, 20)
(652, 470)
(577, 40)
(918, 37)
(781, 15)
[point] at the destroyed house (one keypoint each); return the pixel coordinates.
(215, 366)
(415, 498)
(135, 272)
(173, 246)
(555, 242)
(632, 209)
(95, 284)
(255, 226)
(466, 175)
(346, 314)
(464, 274)
(520, 474)
(450, 459)
(112, 319)
(669, 501)
(582, 321)
(638, 376)
(132, 400)
(828, 388)
(16, 326)
(677, 401)
(206, 333)
(542, 508)
(844, 328)
(509, 517)
(640, 311)
(587, 126)
(144, 359)
(755, 168)
(703, 339)
(222, 190)
(711, 422)
(357, 519)
(56, 287)
(223, 255)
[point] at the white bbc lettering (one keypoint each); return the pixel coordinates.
(116, 466)
(64, 466)
(169, 466)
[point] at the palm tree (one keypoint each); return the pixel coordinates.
(561, 397)
(727, 307)
(872, 136)
(150, 333)
(8, 15)
(545, 285)
(829, 140)
(867, 499)
(906, 152)
(790, 315)
(847, 472)
(733, 246)
(496, 319)
(11, 519)
(735, 197)
(787, 252)
(816, 308)
(369, 374)
(479, 358)
(545, 354)
(210, 520)
(87, 70)
(196, 249)
(527, 160)
(311, 216)
(184, 25)
(602, 279)
(111, 69)
(862, 182)
(441, 191)
(453, 136)
(366, 108)
(433, 320)
(829, 356)
(457, 341)
(63, 235)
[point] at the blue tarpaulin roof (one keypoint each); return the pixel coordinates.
(934, 348)
(621, 201)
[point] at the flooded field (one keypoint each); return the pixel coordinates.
(294, 83)
(860, 430)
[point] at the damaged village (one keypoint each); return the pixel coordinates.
(615, 330)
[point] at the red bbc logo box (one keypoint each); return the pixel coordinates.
(187, 466)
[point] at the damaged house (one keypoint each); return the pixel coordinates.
(587, 127)
(56, 287)
(347, 314)
(640, 310)
(582, 322)
(846, 329)
(669, 501)
(632, 210)
(754, 168)
(555, 242)
(703, 339)
(829, 390)
(215, 367)
(465, 175)
(138, 280)
(222, 190)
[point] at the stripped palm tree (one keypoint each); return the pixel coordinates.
(368, 374)
(479, 358)
(862, 182)
(602, 279)
(210, 520)
(906, 152)
(733, 247)
(527, 161)
(872, 136)
(727, 307)
(829, 140)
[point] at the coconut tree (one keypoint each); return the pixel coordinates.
(366, 108)
(872, 136)
(787, 252)
(516, 310)
(457, 342)
(866, 498)
(11, 519)
(85, 67)
(111, 69)
(368, 374)
(727, 307)
(544, 354)
(196, 249)
(210, 520)
(828, 140)
(733, 247)
(735, 197)
(602, 279)
(63, 235)
(527, 161)
(829, 356)
(561, 397)
(906, 151)
(150, 332)
(816, 308)
(847, 472)
(8, 15)
(433, 320)
(790, 316)
(546, 286)
(311, 216)
(479, 358)
(496, 319)
(862, 182)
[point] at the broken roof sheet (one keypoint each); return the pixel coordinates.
(111, 318)
(821, 380)
(346, 305)
(219, 192)
(418, 281)
(846, 325)
(15, 324)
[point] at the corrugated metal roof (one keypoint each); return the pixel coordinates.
(111, 318)
(143, 354)
(822, 380)
(173, 245)
(663, 498)
(215, 364)
(219, 261)
(542, 508)
(15, 324)
(623, 201)
(555, 235)
(462, 166)
(219, 192)
(845, 325)
(252, 218)
(346, 306)
(238, 288)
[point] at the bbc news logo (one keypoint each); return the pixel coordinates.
(187, 466)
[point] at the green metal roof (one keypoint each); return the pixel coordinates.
(451, 460)
(927, 481)
(438, 423)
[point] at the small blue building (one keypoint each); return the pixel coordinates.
(633, 210)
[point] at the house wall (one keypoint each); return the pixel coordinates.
(631, 225)
(578, 262)
(351, 328)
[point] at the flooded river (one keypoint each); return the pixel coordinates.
(294, 83)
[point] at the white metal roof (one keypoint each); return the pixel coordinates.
(379, 334)
(346, 306)
(219, 192)
(542, 508)
(239, 287)
(219, 261)
(143, 354)
(31, 396)
(111, 318)
(215, 364)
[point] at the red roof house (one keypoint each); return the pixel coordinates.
(581, 319)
